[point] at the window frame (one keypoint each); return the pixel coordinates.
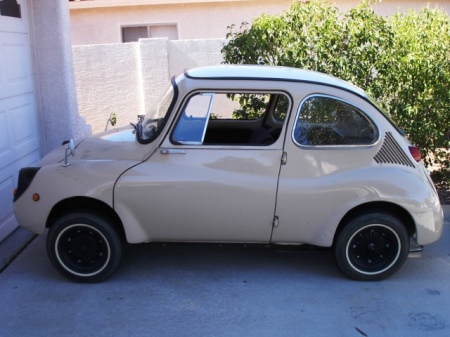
(330, 146)
(148, 27)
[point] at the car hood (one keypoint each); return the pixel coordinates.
(115, 144)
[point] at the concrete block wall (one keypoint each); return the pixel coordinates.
(154, 69)
(127, 78)
(185, 54)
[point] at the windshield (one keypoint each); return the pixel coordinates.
(149, 127)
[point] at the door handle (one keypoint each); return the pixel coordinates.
(172, 151)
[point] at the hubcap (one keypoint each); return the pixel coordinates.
(373, 249)
(82, 250)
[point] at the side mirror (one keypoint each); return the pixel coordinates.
(70, 150)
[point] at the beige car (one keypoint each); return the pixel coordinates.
(238, 154)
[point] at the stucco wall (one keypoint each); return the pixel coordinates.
(54, 80)
(195, 20)
(127, 78)
(198, 20)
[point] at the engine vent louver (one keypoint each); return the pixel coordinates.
(392, 153)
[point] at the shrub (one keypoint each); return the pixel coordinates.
(402, 61)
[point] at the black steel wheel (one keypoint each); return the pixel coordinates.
(84, 247)
(372, 247)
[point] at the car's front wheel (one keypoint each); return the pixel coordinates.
(372, 246)
(84, 247)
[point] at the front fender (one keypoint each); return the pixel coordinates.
(54, 183)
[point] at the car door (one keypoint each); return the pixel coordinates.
(329, 150)
(191, 190)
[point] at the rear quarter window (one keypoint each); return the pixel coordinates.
(328, 121)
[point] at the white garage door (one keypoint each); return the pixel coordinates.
(19, 141)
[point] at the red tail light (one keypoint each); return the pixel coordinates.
(415, 152)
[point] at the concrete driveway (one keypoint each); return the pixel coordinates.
(194, 290)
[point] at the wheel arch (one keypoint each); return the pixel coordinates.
(382, 207)
(87, 204)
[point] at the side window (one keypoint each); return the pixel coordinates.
(231, 118)
(325, 121)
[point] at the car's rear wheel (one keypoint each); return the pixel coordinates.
(84, 247)
(372, 246)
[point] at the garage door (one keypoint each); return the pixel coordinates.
(19, 141)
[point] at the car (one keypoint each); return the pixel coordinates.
(238, 154)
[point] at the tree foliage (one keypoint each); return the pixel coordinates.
(402, 61)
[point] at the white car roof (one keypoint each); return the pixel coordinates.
(259, 72)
